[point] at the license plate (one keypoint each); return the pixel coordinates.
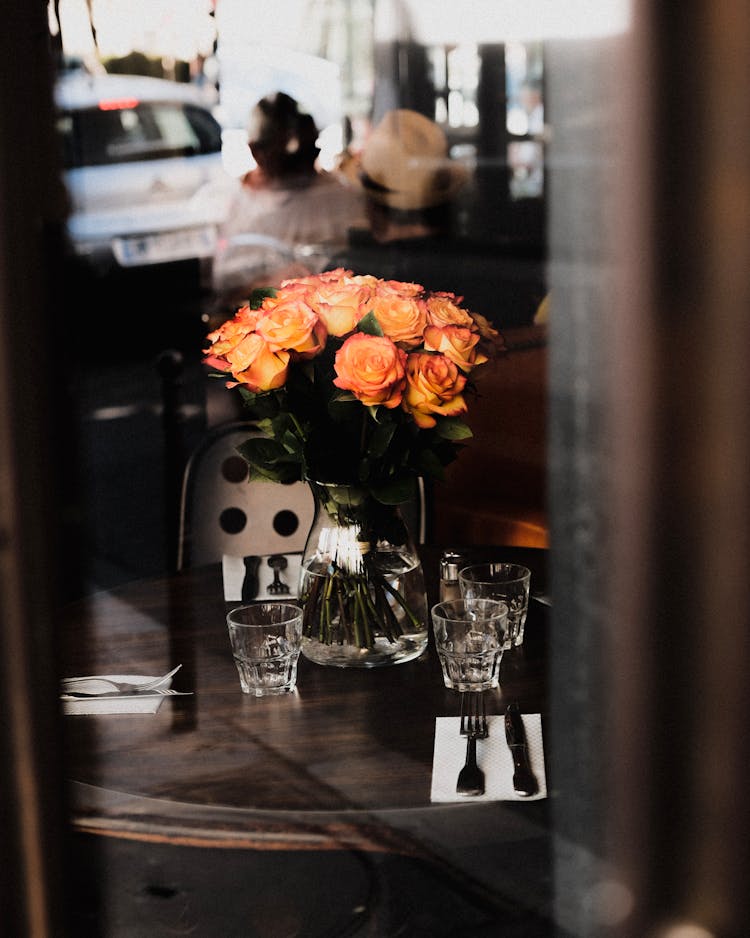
(167, 246)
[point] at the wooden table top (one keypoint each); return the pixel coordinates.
(335, 762)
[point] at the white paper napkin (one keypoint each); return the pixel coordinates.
(123, 704)
(493, 757)
(233, 570)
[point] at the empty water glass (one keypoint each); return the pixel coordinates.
(470, 638)
(506, 582)
(266, 639)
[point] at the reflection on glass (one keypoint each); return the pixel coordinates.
(524, 73)
(524, 120)
(455, 78)
(526, 169)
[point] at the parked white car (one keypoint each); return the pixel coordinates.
(143, 169)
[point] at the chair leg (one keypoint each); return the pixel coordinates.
(171, 366)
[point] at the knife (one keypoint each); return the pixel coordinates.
(524, 781)
(167, 692)
(250, 584)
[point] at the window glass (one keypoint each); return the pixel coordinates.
(455, 78)
(95, 137)
(205, 127)
(525, 119)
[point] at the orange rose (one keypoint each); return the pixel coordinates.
(443, 310)
(330, 276)
(401, 317)
(434, 387)
(233, 331)
(402, 287)
(372, 368)
(290, 324)
(341, 304)
(220, 364)
(364, 280)
(491, 338)
(255, 365)
(457, 343)
(315, 280)
(297, 288)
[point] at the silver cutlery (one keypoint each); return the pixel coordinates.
(524, 780)
(120, 687)
(542, 598)
(278, 562)
(473, 727)
(250, 584)
(154, 692)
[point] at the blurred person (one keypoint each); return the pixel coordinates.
(296, 214)
(346, 161)
(407, 178)
(410, 185)
(533, 105)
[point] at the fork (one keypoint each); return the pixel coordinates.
(153, 692)
(122, 687)
(473, 727)
(277, 563)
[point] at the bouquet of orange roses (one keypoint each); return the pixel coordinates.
(358, 382)
(353, 379)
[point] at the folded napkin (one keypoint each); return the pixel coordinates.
(493, 757)
(250, 578)
(122, 704)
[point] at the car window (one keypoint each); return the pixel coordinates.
(134, 131)
(205, 127)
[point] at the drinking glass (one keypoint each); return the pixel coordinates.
(470, 638)
(266, 640)
(507, 582)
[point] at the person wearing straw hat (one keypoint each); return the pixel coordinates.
(407, 177)
(410, 185)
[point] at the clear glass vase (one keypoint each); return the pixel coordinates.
(362, 584)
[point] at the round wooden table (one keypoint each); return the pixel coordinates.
(343, 763)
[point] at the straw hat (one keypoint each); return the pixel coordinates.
(405, 163)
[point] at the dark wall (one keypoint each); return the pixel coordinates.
(34, 454)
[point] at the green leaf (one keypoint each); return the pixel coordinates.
(381, 438)
(292, 443)
(265, 426)
(369, 324)
(345, 410)
(452, 428)
(248, 396)
(283, 474)
(268, 459)
(282, 423)
(395, 491)
(255, 448)
(258, 295)
(431, 465)
(343, 396)
(261, 406)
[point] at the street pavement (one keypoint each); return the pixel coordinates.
(120, 327)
